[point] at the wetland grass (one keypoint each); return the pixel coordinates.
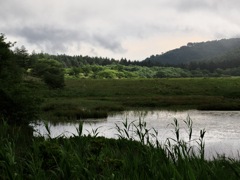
(136, 154)
(92, 98)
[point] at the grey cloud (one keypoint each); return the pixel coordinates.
(56, 26)
(57, 40)
(47, 38)
(108, 42)
(214, 6)
(193, 5)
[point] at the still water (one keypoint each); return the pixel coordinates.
(222, 127)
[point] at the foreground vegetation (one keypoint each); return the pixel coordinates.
(92, 98)
(140, 156)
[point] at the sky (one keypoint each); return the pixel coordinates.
(132, 29)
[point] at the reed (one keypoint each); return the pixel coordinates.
(136, 154)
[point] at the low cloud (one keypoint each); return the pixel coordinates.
(108, 42)
(58, 26)
(56, 40)
(49, 39)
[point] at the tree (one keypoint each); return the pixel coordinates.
(23, 59)
(17, 104)
(9, 69)
(50, 71)
(107, 74)
(54, 78)
(160, 74)
(74, 71)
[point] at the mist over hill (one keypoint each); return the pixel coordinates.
(196, 52)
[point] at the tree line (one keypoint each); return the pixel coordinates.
(98, 67)
(226, 62)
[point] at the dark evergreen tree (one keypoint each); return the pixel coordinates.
(17, 103)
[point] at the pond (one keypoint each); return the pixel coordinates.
(222, 127)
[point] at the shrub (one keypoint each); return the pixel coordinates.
(50, 71)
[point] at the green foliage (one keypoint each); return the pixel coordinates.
(134, 71)
(23, 59)
(17, 103)
(10, 71)
(54, 80)
(172, 72)
(50, 71)
(107, 74)
(124, 72)
(193, 60)
(74, 71)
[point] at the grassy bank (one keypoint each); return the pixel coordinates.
(92, 157)
(93, 98)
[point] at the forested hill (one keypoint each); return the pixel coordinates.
(195, 52)
(211, 55)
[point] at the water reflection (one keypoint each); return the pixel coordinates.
(222, 127)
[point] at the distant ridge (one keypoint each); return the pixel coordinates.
(195, 52)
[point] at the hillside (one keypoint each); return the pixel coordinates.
(195, 52)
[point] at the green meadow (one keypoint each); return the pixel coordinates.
(95, 98)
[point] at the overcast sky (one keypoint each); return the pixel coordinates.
(132, 29)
